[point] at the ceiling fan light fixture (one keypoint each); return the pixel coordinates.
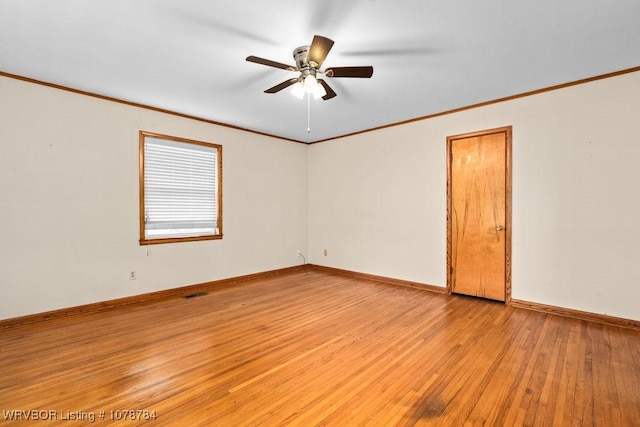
(298, 90)
(310, 83)
(319, 91)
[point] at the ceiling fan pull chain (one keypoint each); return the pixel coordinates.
(309, 113)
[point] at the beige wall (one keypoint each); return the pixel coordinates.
(69, 202)
(378, 200)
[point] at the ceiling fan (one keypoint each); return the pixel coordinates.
(308, 60)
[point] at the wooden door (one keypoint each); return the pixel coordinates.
(479, 214)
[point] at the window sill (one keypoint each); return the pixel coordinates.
(145, 242)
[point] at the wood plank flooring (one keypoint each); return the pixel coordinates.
(310, 348)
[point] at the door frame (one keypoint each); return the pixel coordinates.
(507, 130)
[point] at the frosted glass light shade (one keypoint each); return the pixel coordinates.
(319, 91)
(298, 90)
(310, 83)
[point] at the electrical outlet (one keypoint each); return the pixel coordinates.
(132, 275)
(298, 252)
(325, 252)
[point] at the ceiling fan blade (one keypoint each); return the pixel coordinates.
(270, 63)
(319, 49)
(364, 72)
(330, 93)
(280, 86)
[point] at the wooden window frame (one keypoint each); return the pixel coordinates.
(155, 241)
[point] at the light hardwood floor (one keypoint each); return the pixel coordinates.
(310, 348)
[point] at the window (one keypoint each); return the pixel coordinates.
(180, 189)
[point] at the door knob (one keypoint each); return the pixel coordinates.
(499, 228)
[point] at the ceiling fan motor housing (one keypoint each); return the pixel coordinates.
(300, 55)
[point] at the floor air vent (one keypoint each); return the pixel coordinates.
(196, 295)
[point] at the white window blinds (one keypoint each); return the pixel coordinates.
(180, 189)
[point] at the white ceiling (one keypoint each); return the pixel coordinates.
(429, 56)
